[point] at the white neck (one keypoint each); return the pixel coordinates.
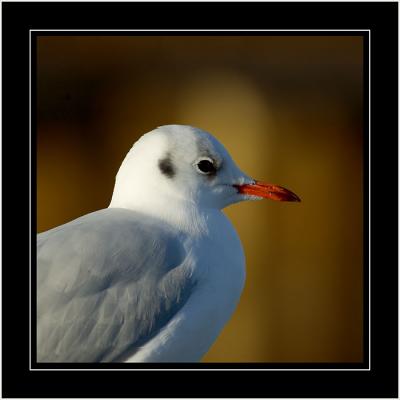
(184, 215)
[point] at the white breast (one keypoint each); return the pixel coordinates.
(219, 268)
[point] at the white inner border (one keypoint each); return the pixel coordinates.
(369, 202)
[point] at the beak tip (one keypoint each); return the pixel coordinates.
(296, 198)
(287, 195)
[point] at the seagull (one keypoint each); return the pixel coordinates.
(156, 275)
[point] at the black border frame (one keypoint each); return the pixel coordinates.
(381, 20)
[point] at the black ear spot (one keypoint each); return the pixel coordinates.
(167, 167)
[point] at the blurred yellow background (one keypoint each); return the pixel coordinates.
(289, 110)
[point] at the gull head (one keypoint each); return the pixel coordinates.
(180, 165)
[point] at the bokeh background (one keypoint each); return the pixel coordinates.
(288, 108)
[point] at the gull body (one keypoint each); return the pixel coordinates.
(157, 275)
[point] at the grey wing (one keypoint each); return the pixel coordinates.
(106, 283)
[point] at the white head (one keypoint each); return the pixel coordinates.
(182, 164)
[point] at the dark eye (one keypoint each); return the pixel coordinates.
(206, 167)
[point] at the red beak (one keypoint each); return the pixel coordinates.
(267, 191)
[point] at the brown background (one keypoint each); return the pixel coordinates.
(289, 110)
